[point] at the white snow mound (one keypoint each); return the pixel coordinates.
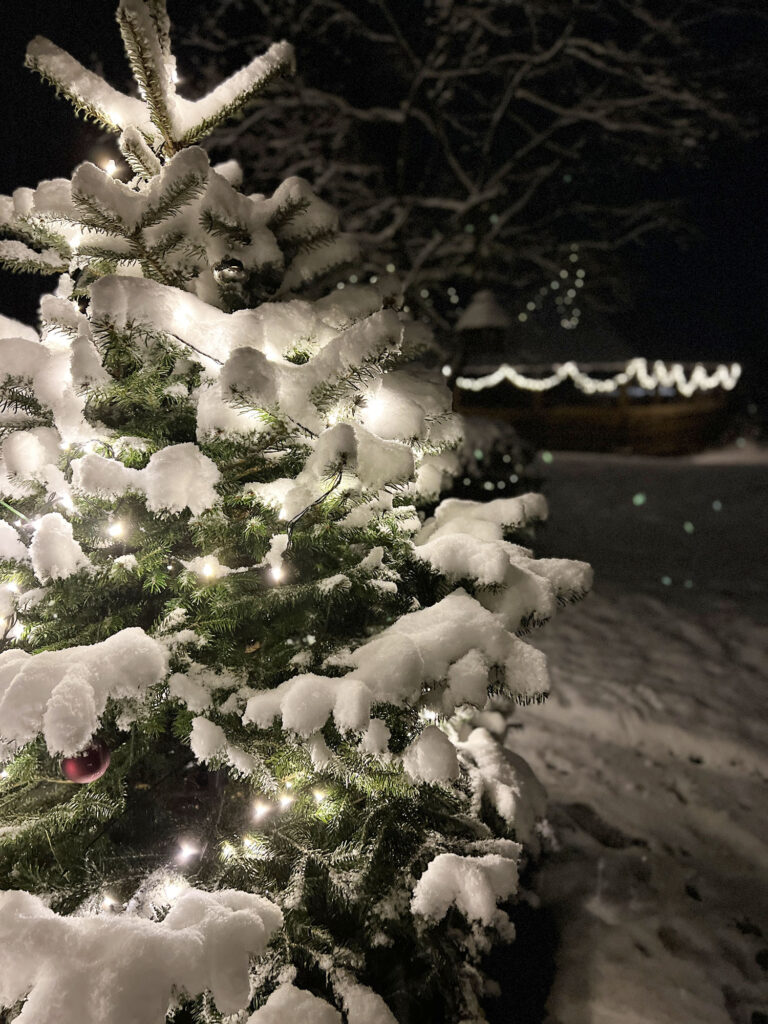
(126, 969)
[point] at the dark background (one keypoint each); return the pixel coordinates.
(705, 299)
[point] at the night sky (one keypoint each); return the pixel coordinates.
(707, 301)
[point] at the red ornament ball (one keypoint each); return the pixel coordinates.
(87, 766)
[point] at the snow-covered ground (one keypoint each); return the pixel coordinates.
(654, 744)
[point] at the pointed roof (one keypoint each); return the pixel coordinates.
(483, 311)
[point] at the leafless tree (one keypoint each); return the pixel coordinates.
(481, 141)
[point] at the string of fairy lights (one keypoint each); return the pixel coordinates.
(648, 376)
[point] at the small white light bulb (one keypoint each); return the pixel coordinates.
(447, 370)
(110, 167)
(319, 796)
(208, 570)
(186, 850)
(108, 902)
(260, 810)
(115, 529)
(285, 801)
(276, 572)
(227, 851)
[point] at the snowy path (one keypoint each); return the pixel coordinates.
(654, 745)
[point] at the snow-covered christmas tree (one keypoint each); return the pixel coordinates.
(252, 764)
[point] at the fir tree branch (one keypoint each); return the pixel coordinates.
(233, 95)
(137, 153)
(147, 65)
(20, 259)
(181, 192)
(88, 93)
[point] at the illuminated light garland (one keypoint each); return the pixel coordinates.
(661, 375)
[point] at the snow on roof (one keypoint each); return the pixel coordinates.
(540, 341)
(483, 311)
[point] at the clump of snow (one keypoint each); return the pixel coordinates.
(107, 478)
(305, 703)
(464, 541)
(18, 252)
(375, 739)
(278, 544)
(472, 884)
(332, 582)
(422, 645)
(467, 681)
(289, 1003)
(465, 557)
(85, 965)
(196, 684)
(51, 381)
(54, 552)
(486, 519)
(269, 383)
(374, 461)
(208, 567)
(507, 781)
(8, 597)
(431, 757)
(10, 328)
(128, 562)
(362, 1004)
(11, 545)
(63, 693)
(178, 476)
(231, 171)
(207, 740)
(418, 650)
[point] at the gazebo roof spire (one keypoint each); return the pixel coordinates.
(483, 311)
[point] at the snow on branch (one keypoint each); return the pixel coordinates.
(85, 965)
(88, 92)
(474, 885)
(450, 646)
(177, 477)
(21, 259)
(63, 694)
(161, 116)
(199, 118)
